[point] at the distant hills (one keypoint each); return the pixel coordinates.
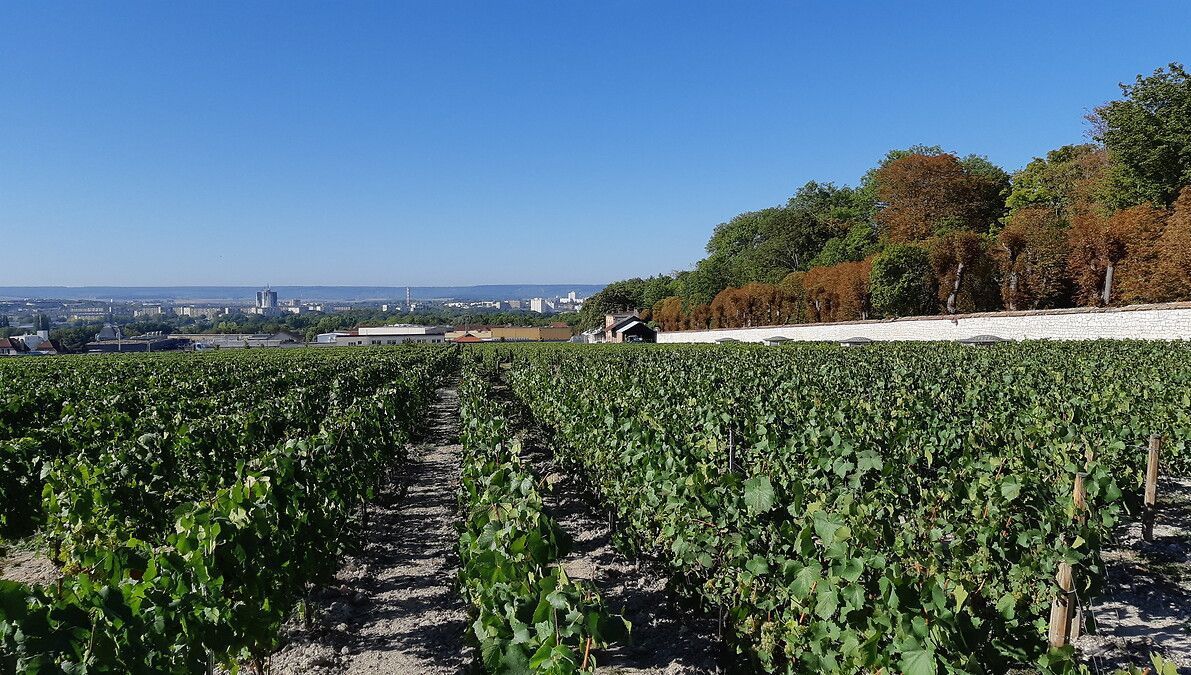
(240, 294)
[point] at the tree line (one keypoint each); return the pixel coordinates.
(928, 231)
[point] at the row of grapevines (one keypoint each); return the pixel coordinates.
(162, 428)
(899, 507)
(529, 615)
(215, 585)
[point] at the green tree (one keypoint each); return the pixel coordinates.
(657, 288)
(1148, 136)
(1067, 181)
(837, 207)
(700, 285)
(901, 282)
(619, 296)
(858, 243)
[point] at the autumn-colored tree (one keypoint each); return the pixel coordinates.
(729, 309)
(929, 194)
(839, 292)
(1097, 246)
(751, 305)
(1140, 227)
(667, 313)
(699, 317)
(1173, 274)
(964, 272)
(1031, 254)
(794, 286)
(852, 283)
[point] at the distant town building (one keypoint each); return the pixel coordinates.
(266, 299)
(201, 312)
(590, 336)
(481, 333)
(335, 337)
(149, 342)
(148, 311)
(395, 335)
(541, 305)
(208, 341)
(31, 344)
(87, 314)
(109, 332)
(8, 347)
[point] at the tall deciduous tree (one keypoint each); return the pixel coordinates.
(964, 271)
(838, 293)
(1031, 253)
(751, 305)
(902, 281)
(668, 315)
(926, 195)
(1070, 180)
(1173, 274)
(1141, 227)
(1148, 135)
(1096, 247)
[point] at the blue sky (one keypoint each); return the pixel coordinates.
(396, 143)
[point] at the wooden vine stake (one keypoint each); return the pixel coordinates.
(731, 450)
(1080, 497)
(1151, 496)
(1062, 608)
(1065, 618)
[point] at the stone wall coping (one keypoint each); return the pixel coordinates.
(954, 318)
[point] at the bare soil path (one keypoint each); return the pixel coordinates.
(396, 608)
(666, 639)
(1147, 605)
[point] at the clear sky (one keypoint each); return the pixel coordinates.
(439, 142)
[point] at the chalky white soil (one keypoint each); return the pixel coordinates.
(1146, 607)
(395, 607)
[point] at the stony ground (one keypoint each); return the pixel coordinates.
(666, 638)
(1147, 605)
(395, 608)
(27, 564)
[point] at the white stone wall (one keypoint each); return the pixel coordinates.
(1146, 322)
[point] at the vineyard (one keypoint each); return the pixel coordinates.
(190, 502)
(894, 508)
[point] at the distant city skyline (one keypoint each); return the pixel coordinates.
(371, 143)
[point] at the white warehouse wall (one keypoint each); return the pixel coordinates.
(1147, 322)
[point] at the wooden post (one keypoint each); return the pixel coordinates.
(731, 450)
(1151, 496)
(1062, 608)
(1079, 495)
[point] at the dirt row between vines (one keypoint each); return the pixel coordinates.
(395, 607)
(1146, 604)
(666, 637)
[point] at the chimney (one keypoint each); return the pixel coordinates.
(43, 334)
